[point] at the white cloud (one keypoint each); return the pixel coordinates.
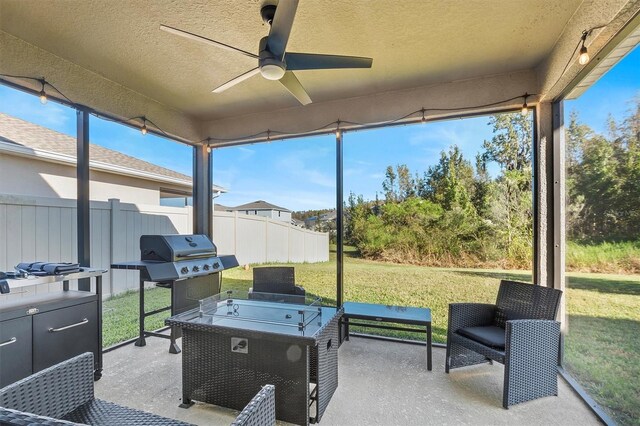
(27, 107)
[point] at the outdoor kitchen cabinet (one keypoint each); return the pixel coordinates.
(39, 331)
(15, 350)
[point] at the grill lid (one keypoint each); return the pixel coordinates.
(175, 248)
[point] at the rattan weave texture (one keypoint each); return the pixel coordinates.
(102, 413)
(54, 391)
(260, 411)
(532, 338)
(63, 394)
(531, 367)
(15, 417)
(324, 365)
(214, 374)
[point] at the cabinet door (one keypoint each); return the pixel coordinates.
(64, 333)
(15, 350)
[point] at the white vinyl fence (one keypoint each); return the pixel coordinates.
(44, 229)
(257, 239)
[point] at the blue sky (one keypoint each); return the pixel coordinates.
(300, 174)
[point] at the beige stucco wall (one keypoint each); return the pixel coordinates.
(26, 176)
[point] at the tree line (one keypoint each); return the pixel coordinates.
(456, 214)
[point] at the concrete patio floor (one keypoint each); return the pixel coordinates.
(380, 383)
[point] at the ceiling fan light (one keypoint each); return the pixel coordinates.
(272, 71)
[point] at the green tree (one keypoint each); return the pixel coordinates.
(512, 143)
(450, 182)
(406, 183)
(389, 186)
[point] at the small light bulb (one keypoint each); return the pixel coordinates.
(144, 129)
(43, 97)
(209, 149)
(337, 133)
(525, 109)
(583, 59)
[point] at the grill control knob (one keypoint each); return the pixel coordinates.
(195, 268)
(184, 270)
(216, 265)
(205, 267)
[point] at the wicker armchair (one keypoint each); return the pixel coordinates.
(63, 395)
(276, 279)
(260, 411)
(519, 331)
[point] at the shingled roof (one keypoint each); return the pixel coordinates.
(259, 205)
(19, 132)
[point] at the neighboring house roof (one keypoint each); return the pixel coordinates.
(260, 205)
(221, 208)
(17, 133)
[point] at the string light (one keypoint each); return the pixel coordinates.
(43, 95)
(583, 59)
(268, 132)
(525, 107)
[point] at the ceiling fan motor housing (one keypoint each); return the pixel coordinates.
(271, 67)
(267, 12)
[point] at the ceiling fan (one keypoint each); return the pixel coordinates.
(274, 62)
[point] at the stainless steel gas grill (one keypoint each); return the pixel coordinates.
(188, 265)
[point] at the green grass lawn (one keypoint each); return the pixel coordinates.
(604, 314)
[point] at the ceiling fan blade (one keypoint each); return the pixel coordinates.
(281, 27)
(236, 80)
(310, 61)
(291, 83)
(196, 37)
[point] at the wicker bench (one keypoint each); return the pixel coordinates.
(64, 395)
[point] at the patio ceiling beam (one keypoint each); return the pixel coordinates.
(89, 89)
(379, 107)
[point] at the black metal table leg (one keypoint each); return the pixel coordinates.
(186, 402)
(173, 346)
(429, 346)
(141, 340)
(346, 328)
(97, 374)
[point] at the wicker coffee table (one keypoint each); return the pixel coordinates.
(236, 342)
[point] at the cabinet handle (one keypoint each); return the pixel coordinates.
(53, 330)
(8, 342)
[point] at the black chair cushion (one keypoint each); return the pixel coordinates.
(490, 335)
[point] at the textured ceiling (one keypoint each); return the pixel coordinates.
(412, 43)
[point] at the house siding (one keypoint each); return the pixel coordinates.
(32, 177)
